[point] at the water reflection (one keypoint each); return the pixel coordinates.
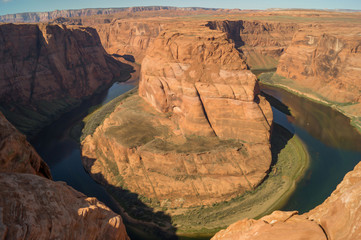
(322, 122)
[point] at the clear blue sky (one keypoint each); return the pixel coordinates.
(17, 6)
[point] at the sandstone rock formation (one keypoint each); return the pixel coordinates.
(338, 218)
(16, 154)
(262, 43)
(45, 69)
(129, 38)
(202, 80)
(33, 207)
(202, 134)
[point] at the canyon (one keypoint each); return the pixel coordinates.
(197, 131)
(48, 69)
(198, 74)
(28, 194)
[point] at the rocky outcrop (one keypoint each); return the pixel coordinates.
(338, 218)
(47, 69)
(262, 43)
(201, 79)
(33, 207)
(326, 60)
(202, 134)
(16, 154)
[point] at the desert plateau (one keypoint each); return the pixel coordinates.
(174, 122)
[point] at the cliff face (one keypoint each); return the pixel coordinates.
(16, 154)
(128, 37)
(202, 134)
(325, 60)
(262, 43)
(45, 69)
(338, 218)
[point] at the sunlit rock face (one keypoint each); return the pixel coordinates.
(200, 77)
(327, 60)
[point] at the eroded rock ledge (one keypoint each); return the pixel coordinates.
(199, 134)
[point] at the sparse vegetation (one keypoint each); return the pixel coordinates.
(30, 120)
(99, 113)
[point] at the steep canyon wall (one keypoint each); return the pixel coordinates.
(47, 69)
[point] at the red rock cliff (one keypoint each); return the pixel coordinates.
(327, 60)
(200, 77)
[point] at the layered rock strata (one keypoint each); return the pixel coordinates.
(325, 60)
(45, 69)
(129, 38)
(335, 219)
(202, 80)
(202, 134)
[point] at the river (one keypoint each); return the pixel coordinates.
(334, 146)
(62, 152)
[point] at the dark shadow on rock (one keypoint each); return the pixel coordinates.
(277, 104)
(141, 221)
(127, 57)
(279, 139)
(232, 28)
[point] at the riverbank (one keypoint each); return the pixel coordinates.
(291, 162)
(347, 109)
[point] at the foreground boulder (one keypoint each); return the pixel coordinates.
(33, 207)
(338, 218)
